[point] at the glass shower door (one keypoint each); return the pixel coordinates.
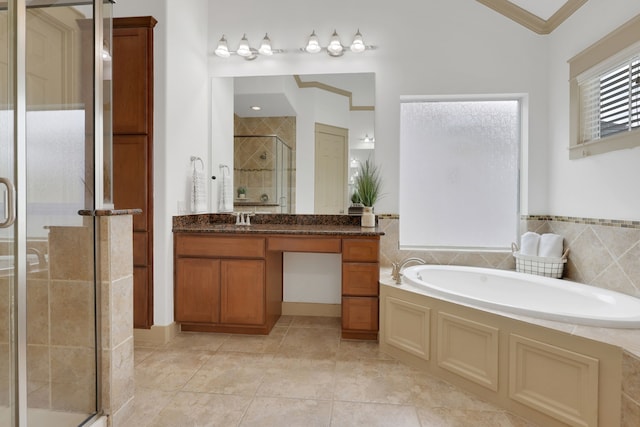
(48, 338)
(7, 228)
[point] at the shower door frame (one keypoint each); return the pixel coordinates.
(17, 16)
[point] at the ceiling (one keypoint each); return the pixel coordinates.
(540, 16)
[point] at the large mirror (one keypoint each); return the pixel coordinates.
(299, 141)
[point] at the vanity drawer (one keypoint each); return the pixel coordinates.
(304, 244)
(360, 250)
(202, 245)
(360, 279)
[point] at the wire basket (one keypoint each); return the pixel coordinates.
(541, 266)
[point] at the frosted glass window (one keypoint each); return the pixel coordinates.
(459, 174)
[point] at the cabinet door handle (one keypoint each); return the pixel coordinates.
(9, 203)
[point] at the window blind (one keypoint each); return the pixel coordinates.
(610, 101)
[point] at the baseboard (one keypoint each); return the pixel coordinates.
(311, 309)
(157, 335)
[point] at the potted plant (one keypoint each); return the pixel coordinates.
(367, 186)
(368, 183)
(242, 192)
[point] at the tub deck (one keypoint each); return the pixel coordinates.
(478, 348)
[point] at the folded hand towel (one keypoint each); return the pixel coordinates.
(198, 192)
(550, 245)
(225, 194)
(529, 243)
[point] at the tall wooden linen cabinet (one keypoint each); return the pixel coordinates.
(133, 149)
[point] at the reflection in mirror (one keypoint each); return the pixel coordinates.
(281, 159)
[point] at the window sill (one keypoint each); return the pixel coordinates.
(616, 142)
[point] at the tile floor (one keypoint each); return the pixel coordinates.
(302, 374)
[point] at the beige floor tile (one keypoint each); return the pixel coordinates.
(451, 417)
(255, 343)
(141, 353)
(279, 412)
(301, 374)
(302, 378)
(430, 392)
(230, 373)
(202, 409)
(169, 370)
(316, 322)
(349, 414)
(319, 342)
(197, 341)
(147, 404)
(357, 350)
(284, 321)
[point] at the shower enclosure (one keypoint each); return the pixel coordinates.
(263, 166)
(54, 116)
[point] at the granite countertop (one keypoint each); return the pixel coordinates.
(330, 225)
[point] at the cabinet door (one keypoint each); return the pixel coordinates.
(360, 313)
(242, 292)
(197, 290)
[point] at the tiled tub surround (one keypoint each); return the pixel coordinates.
(602, 253)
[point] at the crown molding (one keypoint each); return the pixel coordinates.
(319, 85)
(531, 21)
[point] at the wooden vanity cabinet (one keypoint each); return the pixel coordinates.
(220, 284)
(360, 288)
(233, 282)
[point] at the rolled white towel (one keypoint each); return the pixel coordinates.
(529, 243)
(550, 245)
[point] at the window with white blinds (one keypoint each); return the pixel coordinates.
(610, 101)
(604, 87)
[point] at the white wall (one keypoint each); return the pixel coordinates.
(604, 186)
(424, 48)
(427, 47)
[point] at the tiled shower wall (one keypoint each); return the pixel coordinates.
(253, 177)
(603, 253)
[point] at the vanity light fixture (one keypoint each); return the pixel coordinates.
(265, 46)
(245, 50)
(368, 138)
(313, 45)
(335, 47)
(223, 49)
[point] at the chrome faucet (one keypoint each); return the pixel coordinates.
(243, 218)
(396, 268)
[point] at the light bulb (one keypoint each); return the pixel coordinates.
(313, 46)
(265, 46)
(358, 45)
(335, 47)
(243, 49)
(222, 50)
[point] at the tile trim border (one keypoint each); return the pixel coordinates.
(619, 223)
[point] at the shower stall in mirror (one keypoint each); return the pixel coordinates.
(263, 174)
(52, 117)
